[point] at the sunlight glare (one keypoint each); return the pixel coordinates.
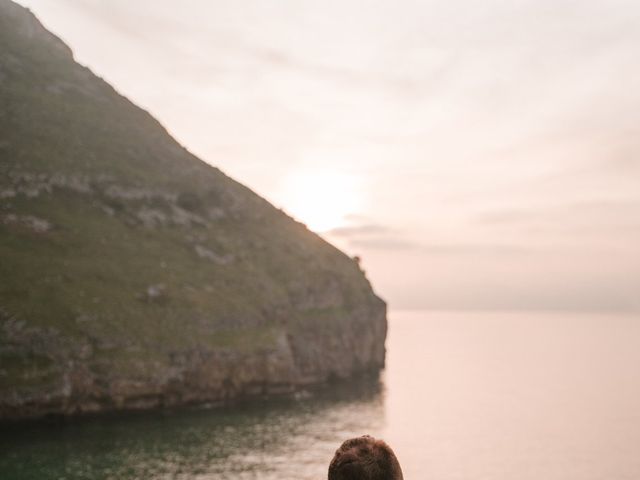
(322, 199)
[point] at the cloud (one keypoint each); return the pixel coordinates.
(391, 244)
(383, 243)
(373, 236)
(595, 215)
(359, 230)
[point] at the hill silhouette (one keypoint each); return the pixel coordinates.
(135, 275)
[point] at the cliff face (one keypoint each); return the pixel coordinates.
(134, 275)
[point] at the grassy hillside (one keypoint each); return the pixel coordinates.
(125, 260)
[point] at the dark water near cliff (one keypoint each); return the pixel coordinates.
(465, 396)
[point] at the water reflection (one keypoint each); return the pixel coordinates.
(284, 438)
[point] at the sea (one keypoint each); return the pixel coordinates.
(464, 395)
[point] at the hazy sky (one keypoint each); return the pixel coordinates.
(474, 154)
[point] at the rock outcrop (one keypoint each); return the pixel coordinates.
(134, 275)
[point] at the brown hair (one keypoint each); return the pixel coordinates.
(364, 458)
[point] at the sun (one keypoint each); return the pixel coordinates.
(321, 199)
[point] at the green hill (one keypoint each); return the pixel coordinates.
(133, 274)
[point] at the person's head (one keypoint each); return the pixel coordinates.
(364, 458)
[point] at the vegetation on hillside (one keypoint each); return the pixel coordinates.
(120, 251)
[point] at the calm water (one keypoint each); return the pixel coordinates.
(464, 396)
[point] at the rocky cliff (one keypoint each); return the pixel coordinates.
(134, 275)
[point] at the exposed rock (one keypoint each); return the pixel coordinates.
(8, 193)
(204, 252)
(134, 193)
(155, 292)
(152, 217)
(35, 224)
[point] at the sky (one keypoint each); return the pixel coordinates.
(474, 154)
